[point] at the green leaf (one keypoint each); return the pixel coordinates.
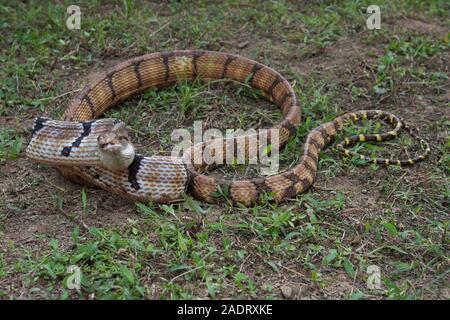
(75, 234)
(313, 218)
(396, 248)
(50, 271)
(314, 276)
(402, 267)
(219, 193)
(84, 200)
(348, 266)
(127, 274)
(238, 278)
(182, 242)
(391, 229)
(274, 266)
(292, 234)
(95, 232)
(180, 267)
(267, 150)
(211, 287)
(193, 205)
(145, 209)
(241, 254)
(329, 257)
(54, 243)
(357, 296)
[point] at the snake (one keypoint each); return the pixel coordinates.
(82, 145)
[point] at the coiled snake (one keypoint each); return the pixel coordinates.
(75, 144)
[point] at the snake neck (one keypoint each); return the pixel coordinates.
(116, 161)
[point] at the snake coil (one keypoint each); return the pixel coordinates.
(71, 144)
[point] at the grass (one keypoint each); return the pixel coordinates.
(324, 242)
(10, 145)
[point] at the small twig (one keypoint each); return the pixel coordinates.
(73, 219)
(323, 188)
(155, 32)
(185, 273)
(291, 270)
(54, 185)
(353, 284)
(395, 188)
(17, 83)
(59, 96)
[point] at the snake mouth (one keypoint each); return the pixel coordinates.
(111, 147)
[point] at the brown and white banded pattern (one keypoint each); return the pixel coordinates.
(67, 143)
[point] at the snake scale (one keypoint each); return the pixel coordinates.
(72, 145)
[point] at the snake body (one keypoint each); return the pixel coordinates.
(69, 144)
(73, 147)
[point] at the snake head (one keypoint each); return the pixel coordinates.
(116, 151)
